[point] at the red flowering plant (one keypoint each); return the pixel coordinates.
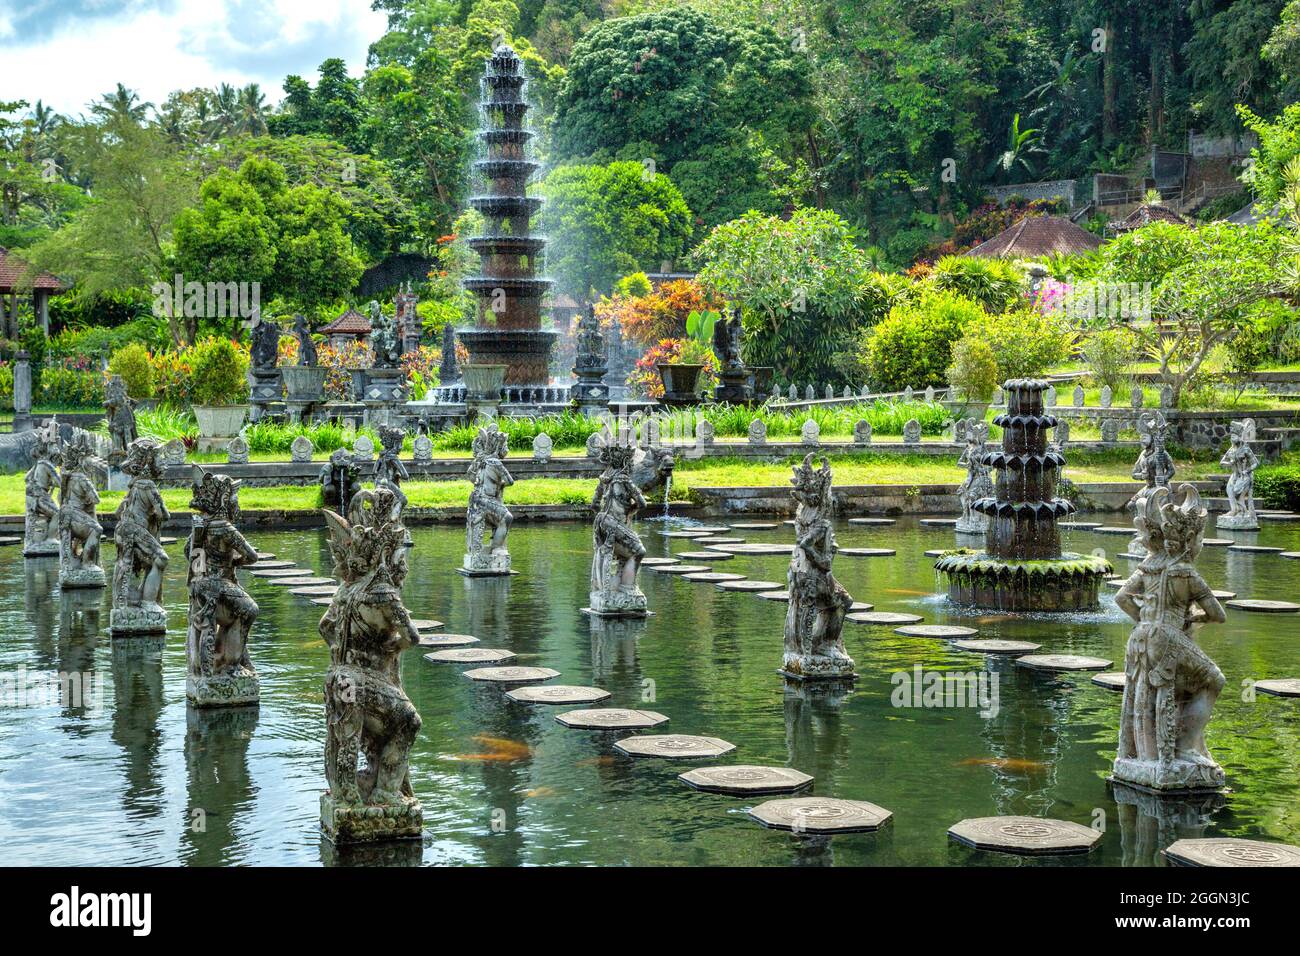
(339, 361)
(421, 369)
(644, 377)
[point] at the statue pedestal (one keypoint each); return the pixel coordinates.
(346, 823)
(1180, 776)
(383, 385)
(264, 392)
(133, 621)
(590, 393)
(228, 690)
(734, 387)
(486, 564)
(41, 549)
(1246, 522)
(808, 667)
(72, 578)
(621, 602)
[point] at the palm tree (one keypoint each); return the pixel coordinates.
(225, 119)
(252, 110)
(121, 104)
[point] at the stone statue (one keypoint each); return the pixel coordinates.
(384, 340)
(652, 469)
(618, 549)
(340, 479)
(265, 352)
(370, 723)
(306, 347)
(141, 560)
(119, 409)
(1171, 684)
(1154, 468)
(79, 529)
(389, 470)
(448, 371)
(40, 530)
(487, 514)
(727, 335)
(814, 648)
(978, 483)
(221, 612)
(1241, 461)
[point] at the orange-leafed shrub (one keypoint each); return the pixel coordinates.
(647, 319)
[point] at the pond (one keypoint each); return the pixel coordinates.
(136, 778)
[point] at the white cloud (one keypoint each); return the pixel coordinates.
(154, 50)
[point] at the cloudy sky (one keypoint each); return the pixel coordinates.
(68, 52)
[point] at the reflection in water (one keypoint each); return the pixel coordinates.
(1149, 822)
(74, 657)
(219, 787)
(815, 740)
(137, 704)
(613, 648)
(391, 853)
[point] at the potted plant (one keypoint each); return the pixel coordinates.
(220, 389)
(681, 375)
(972, 378)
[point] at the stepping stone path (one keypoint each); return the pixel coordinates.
(316, 590)
(1113, 529)
(657, 562)
(265, 555)
(1224, 595)
(714, 539)
(6, 540)
(302, 582)
(935, 630)
(872, 522)
(673, 746)
(559, 694)
(705, 556)
(1063, 662)
(470, 655)
(860, 607)
(712, 577)
(1079, 525)
(997, 646)
(866, 552)
(821, 815)
(1263, 607)
(883, 617)
(774, 595)
(1279, 516)
(1230, 851)
(425, 624)
(1292, 555)
(755, 548)
(1255, 549)
(289, 572)
(938, 522)
(164, 540)
(937, 552)
(685, 534)
(711, 529)
(322, 602)
(1111, 680)
(745, 780)
(447, 640)
(747, 586)
(754, 525)
(271, 565)
(679, 568)
(1114, 583)
(611, 718)
(1284, 687)
(1029, 836)
(511, 675)
(1217, 542)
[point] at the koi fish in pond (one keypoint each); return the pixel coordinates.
(1015, 764)
(498, 749)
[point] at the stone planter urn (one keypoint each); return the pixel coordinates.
(218, 424)
(483, 382)
(681, 383)
(304, 383)
(960, 408)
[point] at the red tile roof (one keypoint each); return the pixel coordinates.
(14, 275)
(1038, 236)
(350, 322)
(1144, 215)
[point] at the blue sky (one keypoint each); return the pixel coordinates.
(68, 52)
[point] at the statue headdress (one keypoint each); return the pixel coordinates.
(1182, 519)
(214, 495)
(813, 483)
(142, 458)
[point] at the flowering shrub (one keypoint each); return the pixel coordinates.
(660, 315)
(644, 377)
(421, 369)
(72, 383)
(173, 373)
(220, 372)
(340, 361)
(1051, 296)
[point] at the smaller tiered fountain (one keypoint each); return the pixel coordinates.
(1022, 567)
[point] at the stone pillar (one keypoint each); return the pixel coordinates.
(22, 392)
(41, 300)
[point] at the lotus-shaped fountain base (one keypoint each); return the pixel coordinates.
(1068, 583)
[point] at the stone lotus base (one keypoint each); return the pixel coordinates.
(1178, 777)
(622, 602)
(129, 621)
(1237, 522)
(1068, 583)
(345, 823)
(228, 690)
(486, 564)
(41, 549)
(71, 578)
(802, 667)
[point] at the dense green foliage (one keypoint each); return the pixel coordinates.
(912, 346)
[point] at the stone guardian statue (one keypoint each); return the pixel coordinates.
(1154, 468)
(79, 529)
(1241, 461)
(487, 515)
(41, 524)
(978, 483)
(618, 550)
(141, 559)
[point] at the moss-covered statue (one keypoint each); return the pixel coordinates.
(487, 516)
(141, 559)
(221, 612)
(41, 523)
(618, 550)
(1154, 468)
(1241, 461)
(370, 722)
(389, 470)
(1171, 684)
(79, 530)
(340, 480)
(814, 620)
(978, 483)
(119, 409)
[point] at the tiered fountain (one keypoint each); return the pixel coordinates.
(508, 331)
(1022, 567)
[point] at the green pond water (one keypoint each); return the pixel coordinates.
(140, 779)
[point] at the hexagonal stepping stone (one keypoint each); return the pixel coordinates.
(745, 780)
(265, 555)
(656, 562)
(680, 568)
(260, 565)
(322, 602)
(1231, 851)
(710, 529)
(303, 582)
(673, 746)
(425, 624)
(755, 548)
(866, 552)
(447, 640)
(747, 586)
(860, 606)
(685, 534)
(470, 655)
(995, 646)
(873, 522)
(1078, 525)
(705, 556)
(1028, 836)
(753, 525)
(1114, 583)
(166, 540)
(1280, 687)
(1113, 529)
(559, 694)
(272, 573)
(821, 815)
(1063, 662)
(1263, 607)
(935, 630)
(9, 539)
(316, 590)
(938, 522)
(1255, 549)
(1111, 680)
(718, 539)
(1217, 542)
(1277, 516)
(1224, 595)
(712, 577)
(1290, 555)
(781, 595)
(937, 552)
(511, 675)
(611, 718)
(883, 618)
